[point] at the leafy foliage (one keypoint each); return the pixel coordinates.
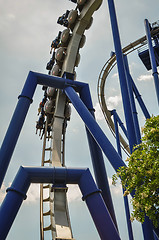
(142, 174)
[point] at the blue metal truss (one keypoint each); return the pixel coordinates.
(96, 137)
(97, 141)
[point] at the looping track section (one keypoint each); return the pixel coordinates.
(109, 65)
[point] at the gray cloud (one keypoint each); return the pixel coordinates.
(145, 78)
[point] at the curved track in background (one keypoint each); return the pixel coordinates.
(109, 65)
(54, 215)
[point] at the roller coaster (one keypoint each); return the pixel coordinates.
(60, 90)
(107, 68)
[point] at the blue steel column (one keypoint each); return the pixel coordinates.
(16, 124)
(129, 82)
(152, 58)
(82, 177)
(126, 203)
(116, 132)
(147, 231)
(101, 175)
(96, 204)
(120, 122)
(140, 101)
(122, 76)
(97, 157)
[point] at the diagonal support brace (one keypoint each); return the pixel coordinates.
(99, 136)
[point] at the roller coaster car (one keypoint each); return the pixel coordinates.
(81, 2)
(48, 107)
(41, 105)
(43, 131)
(56, 42)
(56, 70)
(72, 17)
(68, 19)
(60, 54)
(44, 87)
(62, 20)
(67, 112)
(65, 37)
(51, 92)
(40, 122)
(50, 64)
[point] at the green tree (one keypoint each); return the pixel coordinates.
(142, 174)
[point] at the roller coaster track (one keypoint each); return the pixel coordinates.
(109, 65)
(54, 215)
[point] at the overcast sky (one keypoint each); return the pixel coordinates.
(26, 30)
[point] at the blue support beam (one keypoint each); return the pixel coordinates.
(101, 175)
(132, 101)
(21, 110)
(97, 157)
(147, 230)
(91, 195)
(117, 132)
(152, 58)
(126, 203)
(122, 77)
(127, 211)
(16, 125)
(140, 101)
(113, 112)
(99, 136)
(17, 122)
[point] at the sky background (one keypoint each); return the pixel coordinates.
(26, 30)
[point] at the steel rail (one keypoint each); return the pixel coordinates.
(57, 143)
(108, 66)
